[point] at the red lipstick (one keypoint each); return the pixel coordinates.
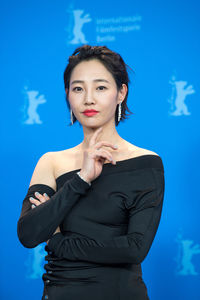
(90, 112)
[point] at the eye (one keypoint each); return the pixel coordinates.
(77, 87)
(102, 87)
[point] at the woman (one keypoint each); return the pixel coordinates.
(98, 205)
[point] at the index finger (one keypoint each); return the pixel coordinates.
(94, 136)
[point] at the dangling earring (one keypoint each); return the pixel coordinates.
(119, 111)
(71, 116)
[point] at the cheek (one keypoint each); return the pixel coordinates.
(75, 100)
(109, 101)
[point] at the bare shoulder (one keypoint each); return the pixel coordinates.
(44, 171)
(66, 161)
(146, 152)
(138, 151)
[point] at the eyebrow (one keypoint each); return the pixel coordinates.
(95, 80)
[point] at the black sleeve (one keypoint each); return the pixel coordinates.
(37, 225)
(144, 217)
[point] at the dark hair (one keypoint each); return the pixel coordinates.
(112, 61)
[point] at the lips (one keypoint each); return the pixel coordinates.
(90, 113)
(89, 110)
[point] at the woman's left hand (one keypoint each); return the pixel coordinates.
(42, 198)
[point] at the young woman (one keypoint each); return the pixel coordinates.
(97, 205)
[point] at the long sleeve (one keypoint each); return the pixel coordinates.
(144, 216)
(37, 225)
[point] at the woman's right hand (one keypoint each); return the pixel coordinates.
(93, 159)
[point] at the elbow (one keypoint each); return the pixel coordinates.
(137, 256)
(135, 259)
(25, 237)
(138, 259)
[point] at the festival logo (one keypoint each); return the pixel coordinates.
(101, 29)
(180, 90)
(32, 100)
(187, 249)
(79, 21)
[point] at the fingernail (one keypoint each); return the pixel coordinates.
(31, 198)
(33, 205)
(36, 193)
(45, 195)
(115, 146)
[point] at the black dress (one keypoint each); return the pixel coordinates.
(107, 230)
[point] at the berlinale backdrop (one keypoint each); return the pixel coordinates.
(159, 40)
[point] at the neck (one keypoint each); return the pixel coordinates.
(108, 134)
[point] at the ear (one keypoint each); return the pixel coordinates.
(122, 93)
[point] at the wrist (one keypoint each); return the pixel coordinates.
(84, 177)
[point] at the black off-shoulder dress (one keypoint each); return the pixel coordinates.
(107, 230)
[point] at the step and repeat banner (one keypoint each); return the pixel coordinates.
(160, 42)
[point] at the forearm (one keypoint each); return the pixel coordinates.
(131, 248)
(37, 225)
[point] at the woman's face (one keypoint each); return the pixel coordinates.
(92, 86)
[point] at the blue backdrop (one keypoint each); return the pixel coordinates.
(160, 42)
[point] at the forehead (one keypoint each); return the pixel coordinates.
(89, 70)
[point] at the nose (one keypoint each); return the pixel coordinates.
(88, 97)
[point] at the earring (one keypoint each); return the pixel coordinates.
(119, 111)
(71, 116)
